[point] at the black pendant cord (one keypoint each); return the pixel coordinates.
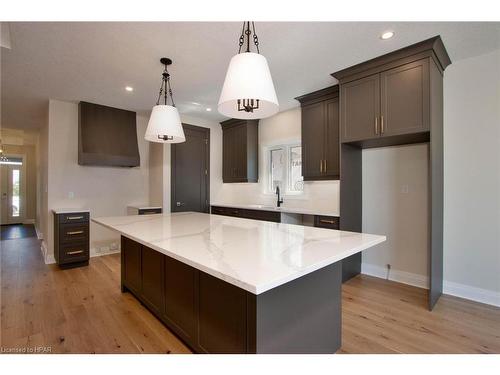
(245, 33)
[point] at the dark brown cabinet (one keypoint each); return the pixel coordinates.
(360, 103)
(71, 239)
(181, 289)
(240, 150)
(222, 316)
(131, 264)
(391, 103)
(320, 135)
(152, 271)
(247, 214)
(395, 99)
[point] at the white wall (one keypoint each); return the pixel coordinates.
(471, 191)
(472, 176)
(106, 191)
(395, 203)
(283, 127)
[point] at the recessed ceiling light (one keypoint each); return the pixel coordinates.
(129, 88)
(208, 109)
(195, 103)
(387, 35)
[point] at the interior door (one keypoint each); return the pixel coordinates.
(360, 103)
(12, 197)
(190, 171)
(313, 136)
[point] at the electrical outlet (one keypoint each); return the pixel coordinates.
(404, 189)
(71, 195)
(113, 246)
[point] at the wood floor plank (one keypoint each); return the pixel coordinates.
(83, 310)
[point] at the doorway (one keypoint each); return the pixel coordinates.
(191, 171)
(12, 189)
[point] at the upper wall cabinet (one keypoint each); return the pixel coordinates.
(240, 150)
(320, 134)
(389, 97)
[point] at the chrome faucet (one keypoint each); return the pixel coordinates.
(280, 200)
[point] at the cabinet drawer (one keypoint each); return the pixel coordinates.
(261, 215)
(74, 252)
(149, 211)
(74, 232)
(226, 211)
(76, 217)
(329, 222)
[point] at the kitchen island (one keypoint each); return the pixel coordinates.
(233, 285)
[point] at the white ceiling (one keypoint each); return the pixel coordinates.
(95, 61)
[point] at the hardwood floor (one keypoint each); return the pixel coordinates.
(83, 311)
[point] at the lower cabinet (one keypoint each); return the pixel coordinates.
(208, 314)
(247, 214)
(222, 315)
(181, 290)
(152, 273)
(131, 265)
(351, 266)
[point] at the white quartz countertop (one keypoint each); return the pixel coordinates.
(284, 209)
(69, 210)
(253, 255)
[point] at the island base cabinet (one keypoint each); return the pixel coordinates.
(213, 316)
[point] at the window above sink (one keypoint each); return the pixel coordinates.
(284, 169)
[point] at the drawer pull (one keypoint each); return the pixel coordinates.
(324, 221)
(74, 252)
(74, 217)
(75, 232)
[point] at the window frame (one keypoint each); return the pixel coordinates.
(287, 175)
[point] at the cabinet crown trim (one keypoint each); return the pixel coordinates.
(434, 46)
(319, 95)
(235, 122)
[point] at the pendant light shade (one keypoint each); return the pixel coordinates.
(248, 90)
(164, 124)
(248, 78)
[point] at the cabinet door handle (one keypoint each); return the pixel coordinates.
(74, 217)
(321, 166)
(325, 168)
(74, 252)
(376, 125)
(381, 124)
(324, 221)
(75, 232)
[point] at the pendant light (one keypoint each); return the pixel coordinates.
(164, 125)
(248, 91)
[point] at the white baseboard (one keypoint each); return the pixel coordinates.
(39, 234)
(48, 258)
(94, 253)
(489, 297)
(454, 289)
(403, 277)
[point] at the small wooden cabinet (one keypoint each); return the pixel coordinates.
(71, 238)
(320, 135)
(240, 150)
(394, 102)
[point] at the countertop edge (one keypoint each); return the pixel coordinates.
(285, 210)
(249, 288)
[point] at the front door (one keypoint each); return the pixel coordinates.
(190, 171)
(12, 201)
